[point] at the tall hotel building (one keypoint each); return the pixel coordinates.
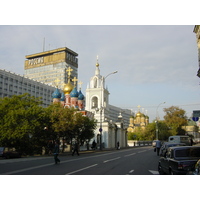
(50, 66)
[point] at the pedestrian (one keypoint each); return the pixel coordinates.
(56, 152)
(118, 147)
(158, 146)
(93, 145)
(191, 141)
(75, 149)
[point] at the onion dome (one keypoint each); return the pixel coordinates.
(62, 97)
(56, 94)
(74, 93)
(80, 96)
(68, 88)
(139, 114)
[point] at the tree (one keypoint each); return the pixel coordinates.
(69, 124)
(175, 118)
(21, 124)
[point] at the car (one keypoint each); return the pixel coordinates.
(7, 152)
(166, 145)
(179, 160)
(196, 170)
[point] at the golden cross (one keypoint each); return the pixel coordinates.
(56, 81)
(69, 70)
(139, 107)
(74, 80)
(80, 83)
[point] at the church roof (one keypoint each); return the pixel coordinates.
(56, 93)
(80, 96)
(74, 93)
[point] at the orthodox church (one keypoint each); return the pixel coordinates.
(112, 122)
(139, 121)
(70, 96)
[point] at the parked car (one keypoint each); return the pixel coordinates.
(7, 152)
(166, 145)
(180, 139)
(179, 160)
(196, 170)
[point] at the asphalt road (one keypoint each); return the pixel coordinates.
(132, 161)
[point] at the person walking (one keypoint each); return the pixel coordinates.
(56, 152)
(118, 147)
(158, 146)
(76, 149)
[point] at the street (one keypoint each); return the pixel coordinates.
(133, 161)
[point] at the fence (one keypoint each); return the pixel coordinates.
(134, 143)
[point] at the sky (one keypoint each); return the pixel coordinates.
(155, 63)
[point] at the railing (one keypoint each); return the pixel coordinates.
(134, 143)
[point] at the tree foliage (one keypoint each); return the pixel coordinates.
(22, 118)
(28, 127)
(175, 118)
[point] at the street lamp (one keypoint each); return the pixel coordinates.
(101, 107)
(157, 119)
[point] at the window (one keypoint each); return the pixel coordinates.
(94, 102)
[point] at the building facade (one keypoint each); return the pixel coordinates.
(197, 32)
(112, 122)
(50, 66)
(15, 84)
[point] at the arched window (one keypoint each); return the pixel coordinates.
(94, 102)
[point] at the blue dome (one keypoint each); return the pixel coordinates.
(80, 96)
(62, 97)
(74, 93)
(56, 94)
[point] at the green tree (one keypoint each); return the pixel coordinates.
(21, 124)
(69, 124)
(175, 118)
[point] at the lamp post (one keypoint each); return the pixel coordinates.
(101, 107)
(157, 119)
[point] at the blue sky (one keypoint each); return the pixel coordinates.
(155, 63)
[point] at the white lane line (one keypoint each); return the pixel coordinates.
(130, 155)
(111, 159)
(26, 169)
(154, 172)
(82, 169)
(131, 171)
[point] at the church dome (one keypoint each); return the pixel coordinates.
(139, 114)
(74, 93)
(68, 88)
(80, 96)
(62, 97)
(56, 94)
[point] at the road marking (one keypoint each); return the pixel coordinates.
(111, 159)
(130, 155)
(26, 169)
(131, 171)
(154, 172)
(81, 169)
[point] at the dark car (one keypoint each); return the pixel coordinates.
(178, 160)
(195, 170)
(166, 145)
(7, 152)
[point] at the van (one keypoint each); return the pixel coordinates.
(180, 139)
